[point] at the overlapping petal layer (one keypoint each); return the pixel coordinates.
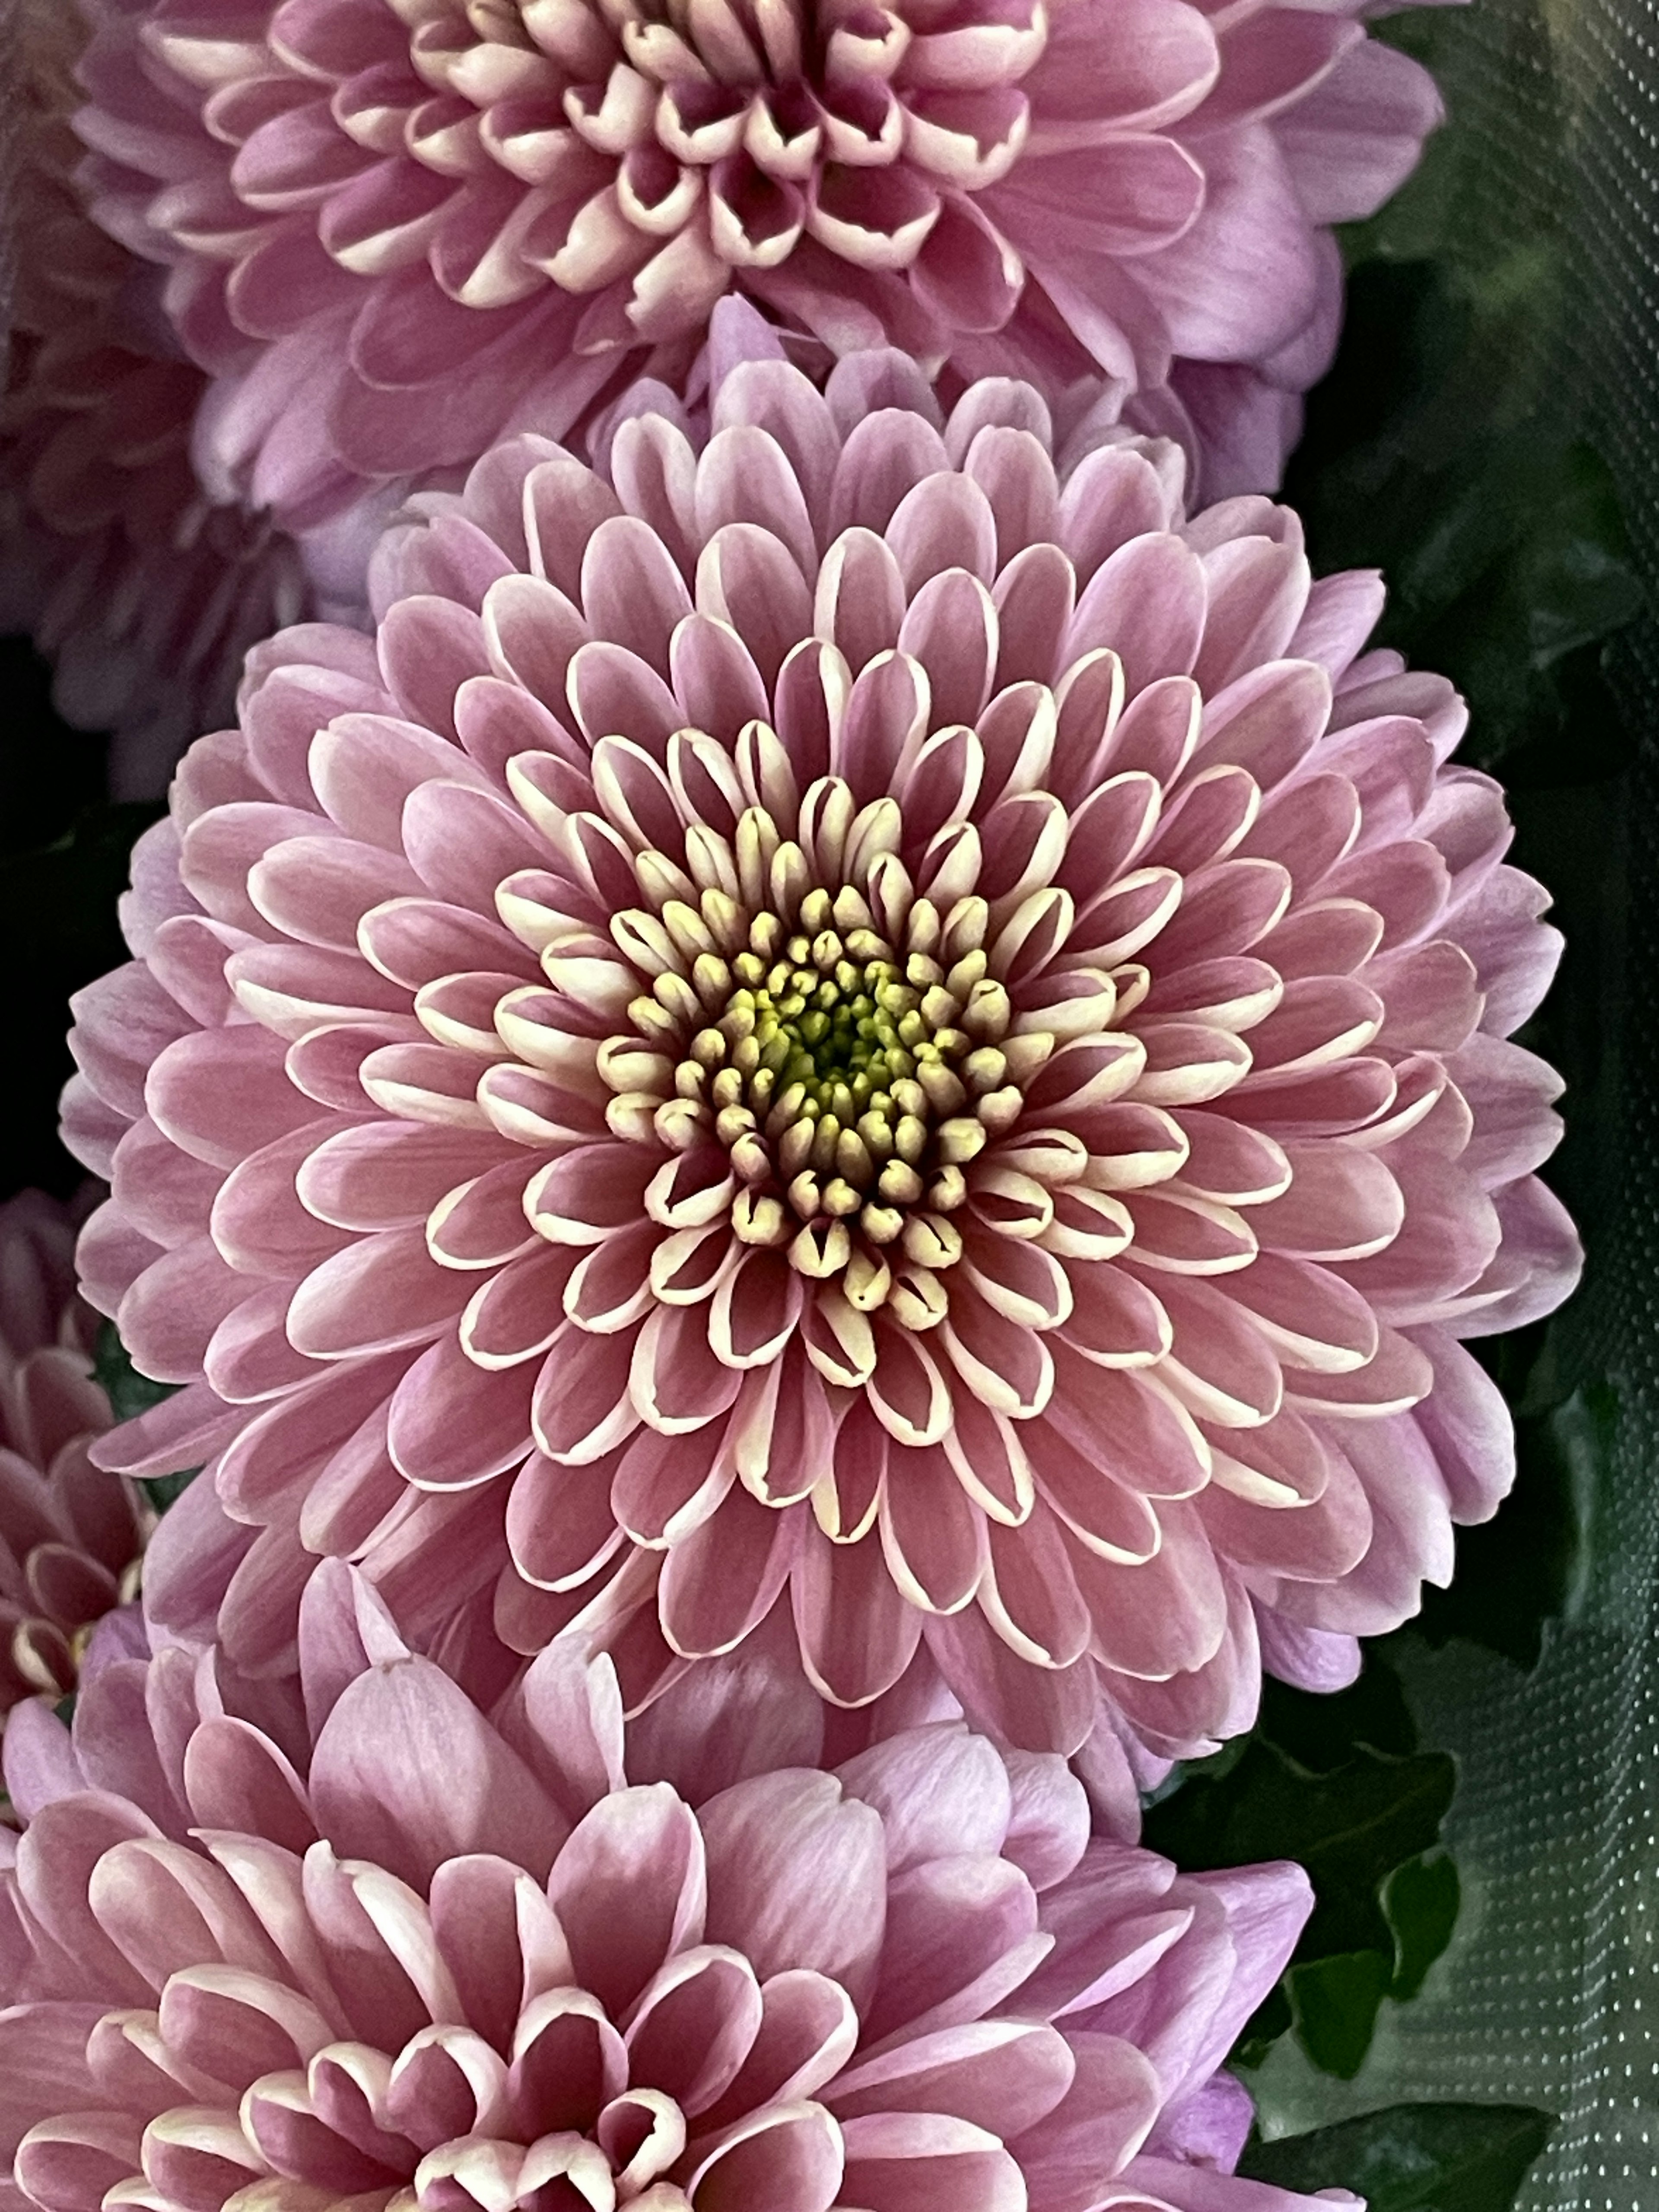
(392, 1951)
(141, 595)
(853, 1024)
(70, 1535)
(411, 226)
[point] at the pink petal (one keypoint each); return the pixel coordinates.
(630, 1890)
(797, 1877)
(406, 1773)
(896, 2161)
(857, 1633)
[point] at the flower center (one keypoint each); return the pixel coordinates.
(851, 1070)
(848, 1076)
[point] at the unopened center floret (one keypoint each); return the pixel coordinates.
(848, 1079)
(852, 1079)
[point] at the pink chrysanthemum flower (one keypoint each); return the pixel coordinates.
(416, 225)
(70, 1535)
(853, 1020)
(423, 1959)
(141, 595)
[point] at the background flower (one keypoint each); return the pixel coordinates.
(141, 595)
(455, 1961)
(982, 1117)
(400, 228)
(70, 1535)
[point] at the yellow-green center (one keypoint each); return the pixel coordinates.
(852, 1080)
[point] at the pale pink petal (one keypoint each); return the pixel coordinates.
(387, 1778)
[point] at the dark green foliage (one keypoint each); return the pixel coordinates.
(1413, 2158)
(1338, 1783)
(162, 1489)
(1507, 560)
(1420, 1899)
(128, 1391)
(131, 1392)
(1320, 1732)
(1349, 1827)
(1335, 2001)
(1437, 451)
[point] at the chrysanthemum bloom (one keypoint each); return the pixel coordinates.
(141, 595)
(70, 1535)
(437, 1961)
(852, 1024)
(400, 228)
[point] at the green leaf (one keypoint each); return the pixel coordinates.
(1349, 1827)
(1218, 1763)
(163, 1490)
(1413, 2158)
(1323, 1731)
(1335, 2004)
(1433, 450)
(1580, 583)
(129, 1393)
(1421, 1900)
(1336, 1782)
(1270, 2019)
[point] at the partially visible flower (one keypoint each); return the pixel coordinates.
(982, 1117)
(400, 229)
(424, 1958)
(141, 595)
(70, 1535)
